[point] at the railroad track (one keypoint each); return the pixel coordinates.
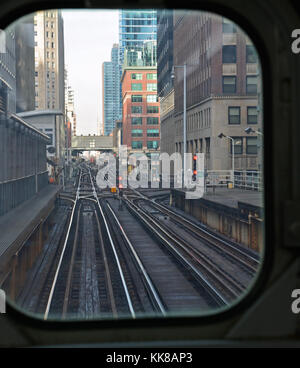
(221, 288)
(233, 251)
(117, 294)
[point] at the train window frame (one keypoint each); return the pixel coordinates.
(234, 14)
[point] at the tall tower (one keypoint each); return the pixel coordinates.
(49, 60)
(111, 94)
(136, 27)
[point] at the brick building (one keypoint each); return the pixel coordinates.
(141, 118)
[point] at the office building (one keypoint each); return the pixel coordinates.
(111, 94)
(49, 60)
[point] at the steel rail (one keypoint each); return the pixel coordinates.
(196, 229)
(141, 266)
(220, 299)
(129, 302)
(62, 253)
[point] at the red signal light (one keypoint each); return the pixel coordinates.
(195, 157)
(195, 172)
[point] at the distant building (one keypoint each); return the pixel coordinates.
(8, 72)
(49, 60)
(111, 94)
(51, 123)
(24, 39)
(141, 118)
(136, 27)
(165, 81)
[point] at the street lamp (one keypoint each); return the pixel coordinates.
(250, 130)
(184, 112)
(221, 135)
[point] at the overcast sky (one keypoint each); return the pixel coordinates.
(89, 37)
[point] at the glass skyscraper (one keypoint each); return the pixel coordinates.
(136, 28)
(112, 105)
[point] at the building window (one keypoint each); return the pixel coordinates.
(151, 76)
(152, 121)
(137, 133)
(136, 121)
(151, 98)
(251, 85)
(152, 109)
(152, 133)
(152, 87)
(136, 109)
(229, 54)
(136, 86)
(229, 84)
(228, 26)
(136, 98)
(251, 55)
(207, 145)
(36, 73)
(136, 76)
(251, 115)
(238, 145)
(234, 115)
(136, 144)
(251, 146)
(152, 144)
(52, 45)
(51, 138)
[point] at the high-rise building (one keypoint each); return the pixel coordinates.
(111, 94)
(136, 28)
(165, 81)
(49, 60)
(24, 40)
(8, 71)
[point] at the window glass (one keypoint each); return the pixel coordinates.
(251, 145)
(136, 86)
(252, 115)
(251, 55)
(251, 85)
(151, 87)
(136, 132)
(136, 109)
(152, 109)
(103, 83)
(136, 121)
(151, 98)
(234, 115)
(229, 84)
(136, 98)
(152, 120)
(229, 54)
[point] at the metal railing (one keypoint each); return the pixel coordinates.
(14, 192)
(243, 179)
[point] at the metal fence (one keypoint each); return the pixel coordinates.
(246, 179)
(14, 192)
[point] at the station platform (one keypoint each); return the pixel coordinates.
(233, 198)
(18, 224)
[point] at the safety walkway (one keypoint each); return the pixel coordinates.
(17, 224)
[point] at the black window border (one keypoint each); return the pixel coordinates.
(25, 319)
